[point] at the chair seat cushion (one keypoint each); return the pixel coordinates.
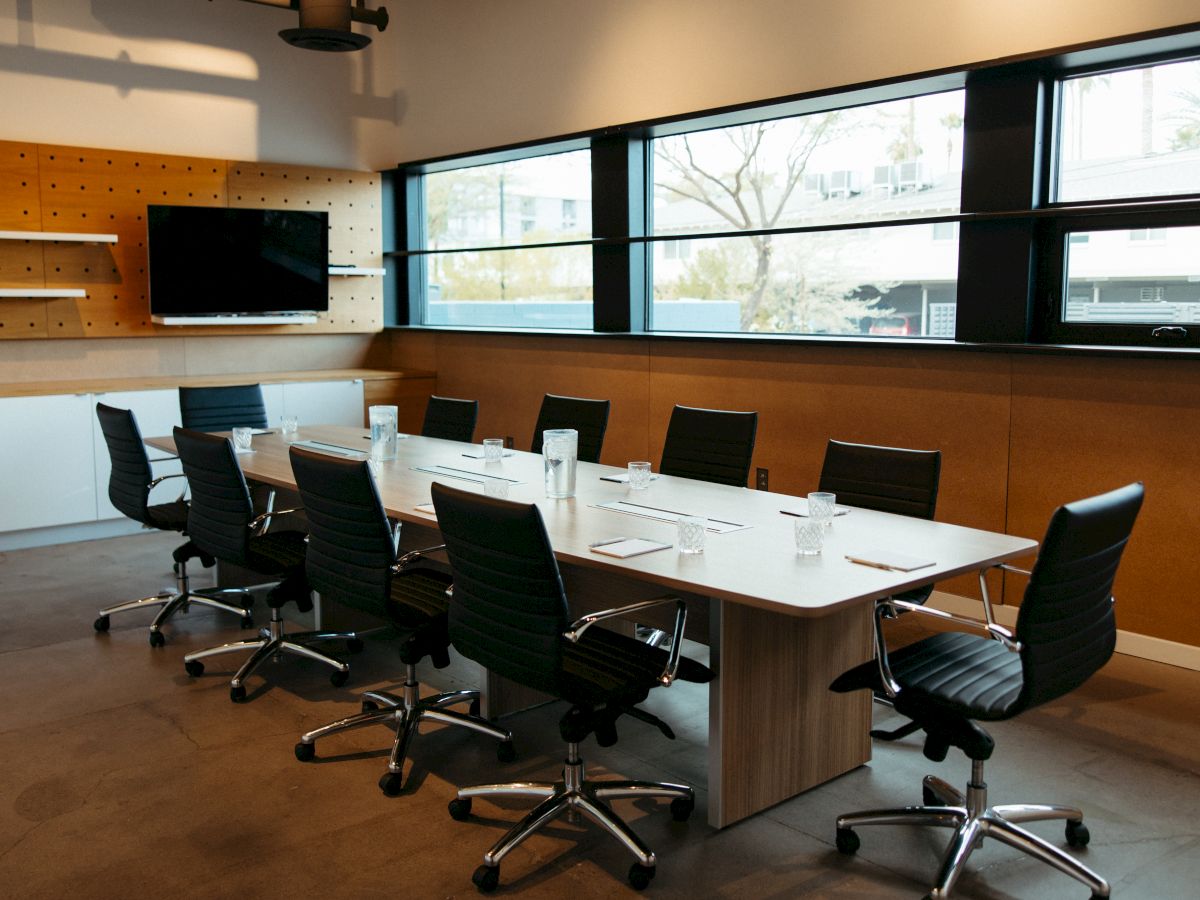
(610, 668)
(962, 675)
(168, 516)
(418, 607)
(281, 554)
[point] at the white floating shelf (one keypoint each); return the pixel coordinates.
(355, 270)
(75, 236)
(42, 292)
(301, 319)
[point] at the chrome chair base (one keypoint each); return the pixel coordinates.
(572, 796)
(404, 713)
(972, 820)
(272, 643)
(180, 600)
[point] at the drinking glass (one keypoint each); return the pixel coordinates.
(560, 449)
(287, 427)
(493, 449)
(691, 532)
(821, 505)
(495, 487)
(383, 432)
(242, 437)
(810, 536)
(639, 476)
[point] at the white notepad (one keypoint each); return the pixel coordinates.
(888, 559)
(624, 547)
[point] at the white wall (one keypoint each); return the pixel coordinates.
(483, 73)
(192, 77)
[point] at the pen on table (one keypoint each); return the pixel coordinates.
(873, 565)
(604, 543)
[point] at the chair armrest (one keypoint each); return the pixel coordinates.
(412, 556)
(161, 478)
(999, 632)
(258, 523)
(579, 626)
(1007, 568)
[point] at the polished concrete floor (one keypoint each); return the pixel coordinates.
(120, 776)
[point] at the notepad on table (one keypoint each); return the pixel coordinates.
(625, 547)
(888, 559)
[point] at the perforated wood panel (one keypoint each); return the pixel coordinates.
(72, 189)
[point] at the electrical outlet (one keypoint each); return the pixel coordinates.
(760, 479)
(508, 441)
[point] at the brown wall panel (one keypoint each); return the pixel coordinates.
(20, 206)
(1085, 426)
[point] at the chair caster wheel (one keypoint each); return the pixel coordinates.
(486, 878)
(337, 679)
(847, 841)
(237, 694)
(194, 667)
(354, 645)
(369, 706)
(1077, 834)
(929, 798)
(640, 876)
(157, 639)
(460, 811)
(305, 752)
(506, 752)
(101, 624)
(247, 621)
(681, 808)
(392, 783)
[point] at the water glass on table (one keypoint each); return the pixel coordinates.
(691, 533)
(639, 476)
(496, 487)
(242, 437)
(821, 507)
(810, 536)
(560, 450)
(383, 432)
(288, 426)
(493, 450)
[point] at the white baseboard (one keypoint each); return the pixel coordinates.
(1142, 646)
(67, 534)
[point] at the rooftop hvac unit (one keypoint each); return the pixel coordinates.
(844, 183)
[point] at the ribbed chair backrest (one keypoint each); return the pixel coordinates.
(130, 477)
(887, 479)
(350, 549)
(588, 417)
(709, 445)
(450, 419)
(222, 408)
(1066, 624)
(508, 610)
(220, 508)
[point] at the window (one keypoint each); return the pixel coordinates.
(504, 246)
(824, 197)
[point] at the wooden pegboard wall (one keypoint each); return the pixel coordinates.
(52, 188)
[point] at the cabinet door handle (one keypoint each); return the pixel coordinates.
(1169, 331)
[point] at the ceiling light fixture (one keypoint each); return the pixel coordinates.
(325, 24)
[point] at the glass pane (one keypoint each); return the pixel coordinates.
(1130, 134)
(547, 287)
(1146, 276)
(895, 281)
(529, 201)
(895, 160)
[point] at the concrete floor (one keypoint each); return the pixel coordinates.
(121, 776)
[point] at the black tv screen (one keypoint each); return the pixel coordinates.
(214, 261)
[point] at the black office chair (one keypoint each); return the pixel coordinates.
(1065, 631)
(221, 523)
(709, 445)
(130, 482)
(450, 419)
(887, 479)
(222, 408)
(508, 612)
(588, 417)
(352, 561)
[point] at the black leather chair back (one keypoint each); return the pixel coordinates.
(887, 479)
(450, 419)
(508, 610)
(350, 549)
(709, 445)
(222, 408)
(1066, 624)
(588, 417)
(130, 477)
(220, 509)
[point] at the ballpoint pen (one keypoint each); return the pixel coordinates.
(604, 543)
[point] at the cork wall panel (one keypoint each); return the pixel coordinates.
(352, 200)
(73, 189)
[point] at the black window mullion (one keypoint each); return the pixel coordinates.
(618, 212)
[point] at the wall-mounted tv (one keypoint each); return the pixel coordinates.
(214, 261)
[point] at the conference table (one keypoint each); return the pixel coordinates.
(780, 626)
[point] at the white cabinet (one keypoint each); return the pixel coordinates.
(157, 412)
(47, 461)
(324, 402)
